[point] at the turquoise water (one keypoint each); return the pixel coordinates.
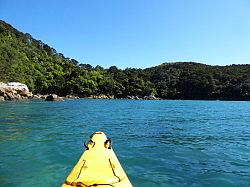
(159, 143)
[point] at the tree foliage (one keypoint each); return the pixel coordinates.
(44, 70)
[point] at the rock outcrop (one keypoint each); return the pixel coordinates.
(1, 98)
(101, 96)
(38, 96)
(151, 97)
(53, 97)
(14, 91)
(72, 97)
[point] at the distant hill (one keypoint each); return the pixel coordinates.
(191, 80)
(44, 70)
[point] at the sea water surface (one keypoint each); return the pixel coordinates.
(159, 143)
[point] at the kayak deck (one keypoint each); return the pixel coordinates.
(98, 166)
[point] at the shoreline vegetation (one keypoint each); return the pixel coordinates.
(43, 71)
(16, 91)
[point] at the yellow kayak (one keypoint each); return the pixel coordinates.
(98, 166)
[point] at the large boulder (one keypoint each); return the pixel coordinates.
(53, 97)
(12, 96)
(14, 91)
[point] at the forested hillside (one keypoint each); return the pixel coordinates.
(44, 70)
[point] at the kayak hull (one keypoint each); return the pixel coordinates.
(98, 166)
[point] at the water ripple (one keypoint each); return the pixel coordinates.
(159, 143)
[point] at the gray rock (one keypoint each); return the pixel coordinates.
(111, 96)
(72, 97)
(43, 96)
(37, 96)
(24, 98)
(130, 97)
(102, 96)
(136, 98)
(2, 98)
(12, 96)
(150, 97)
(53, 97)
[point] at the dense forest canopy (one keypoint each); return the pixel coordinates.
(44, 70)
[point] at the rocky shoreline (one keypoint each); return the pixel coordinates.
(16, 91)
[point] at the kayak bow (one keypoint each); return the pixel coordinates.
(98, 166)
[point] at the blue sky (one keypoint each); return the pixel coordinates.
(137, 33)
